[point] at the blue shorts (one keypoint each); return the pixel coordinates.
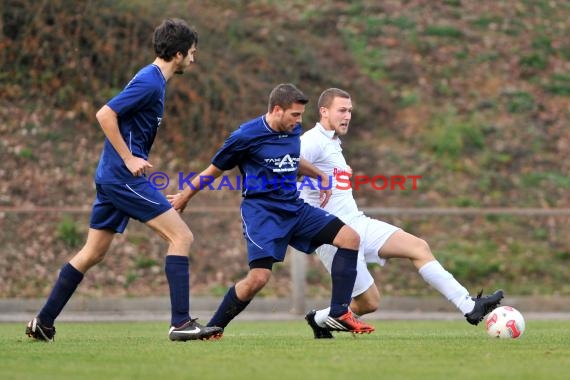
(268, 228)
(116, 203)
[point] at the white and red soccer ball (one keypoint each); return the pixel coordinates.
(505, 322)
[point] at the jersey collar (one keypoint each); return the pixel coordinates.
(327, 133)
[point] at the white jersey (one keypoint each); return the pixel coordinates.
(322, 149)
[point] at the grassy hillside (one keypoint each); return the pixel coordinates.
(472, 96)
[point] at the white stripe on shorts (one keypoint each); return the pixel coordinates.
(245, 230)
(146, 199)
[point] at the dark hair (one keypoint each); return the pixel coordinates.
(173, 35)
(328, 95)
(285, 95)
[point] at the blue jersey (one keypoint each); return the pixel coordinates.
(268, 161)
(139, 107)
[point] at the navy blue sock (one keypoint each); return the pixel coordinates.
(177, 270)
(343, 273)
(63, 289)
(230, 307)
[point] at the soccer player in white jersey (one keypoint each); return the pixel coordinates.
(321, 146)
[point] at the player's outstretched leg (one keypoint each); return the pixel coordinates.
(483, 306)
(348, 322)
(318, 331)
(192, 330)
(36, 330)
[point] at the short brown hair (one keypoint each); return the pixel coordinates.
(285, 95)
(328, 95)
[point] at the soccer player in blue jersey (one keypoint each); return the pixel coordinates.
(267, 152)
(130, 122)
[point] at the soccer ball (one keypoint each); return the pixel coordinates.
(505, 322)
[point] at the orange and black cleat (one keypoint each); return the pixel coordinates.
(348, 322)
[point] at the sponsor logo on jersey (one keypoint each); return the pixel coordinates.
(284, 164)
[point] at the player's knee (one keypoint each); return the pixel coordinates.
(255, 281)
(183, 240)
(367, 302)
(362, 307)
(259, 281)
(422, 249)
(187, 237)
(370, 306)
(347, 238)
(354, 239)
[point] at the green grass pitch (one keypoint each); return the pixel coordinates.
(286, 350)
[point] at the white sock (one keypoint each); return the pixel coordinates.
(321, 316)
(444, 282)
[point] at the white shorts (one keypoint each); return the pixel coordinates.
(373, 235)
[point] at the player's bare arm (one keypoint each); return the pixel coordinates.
(180, 200)
(308, 169)
(110, 124)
